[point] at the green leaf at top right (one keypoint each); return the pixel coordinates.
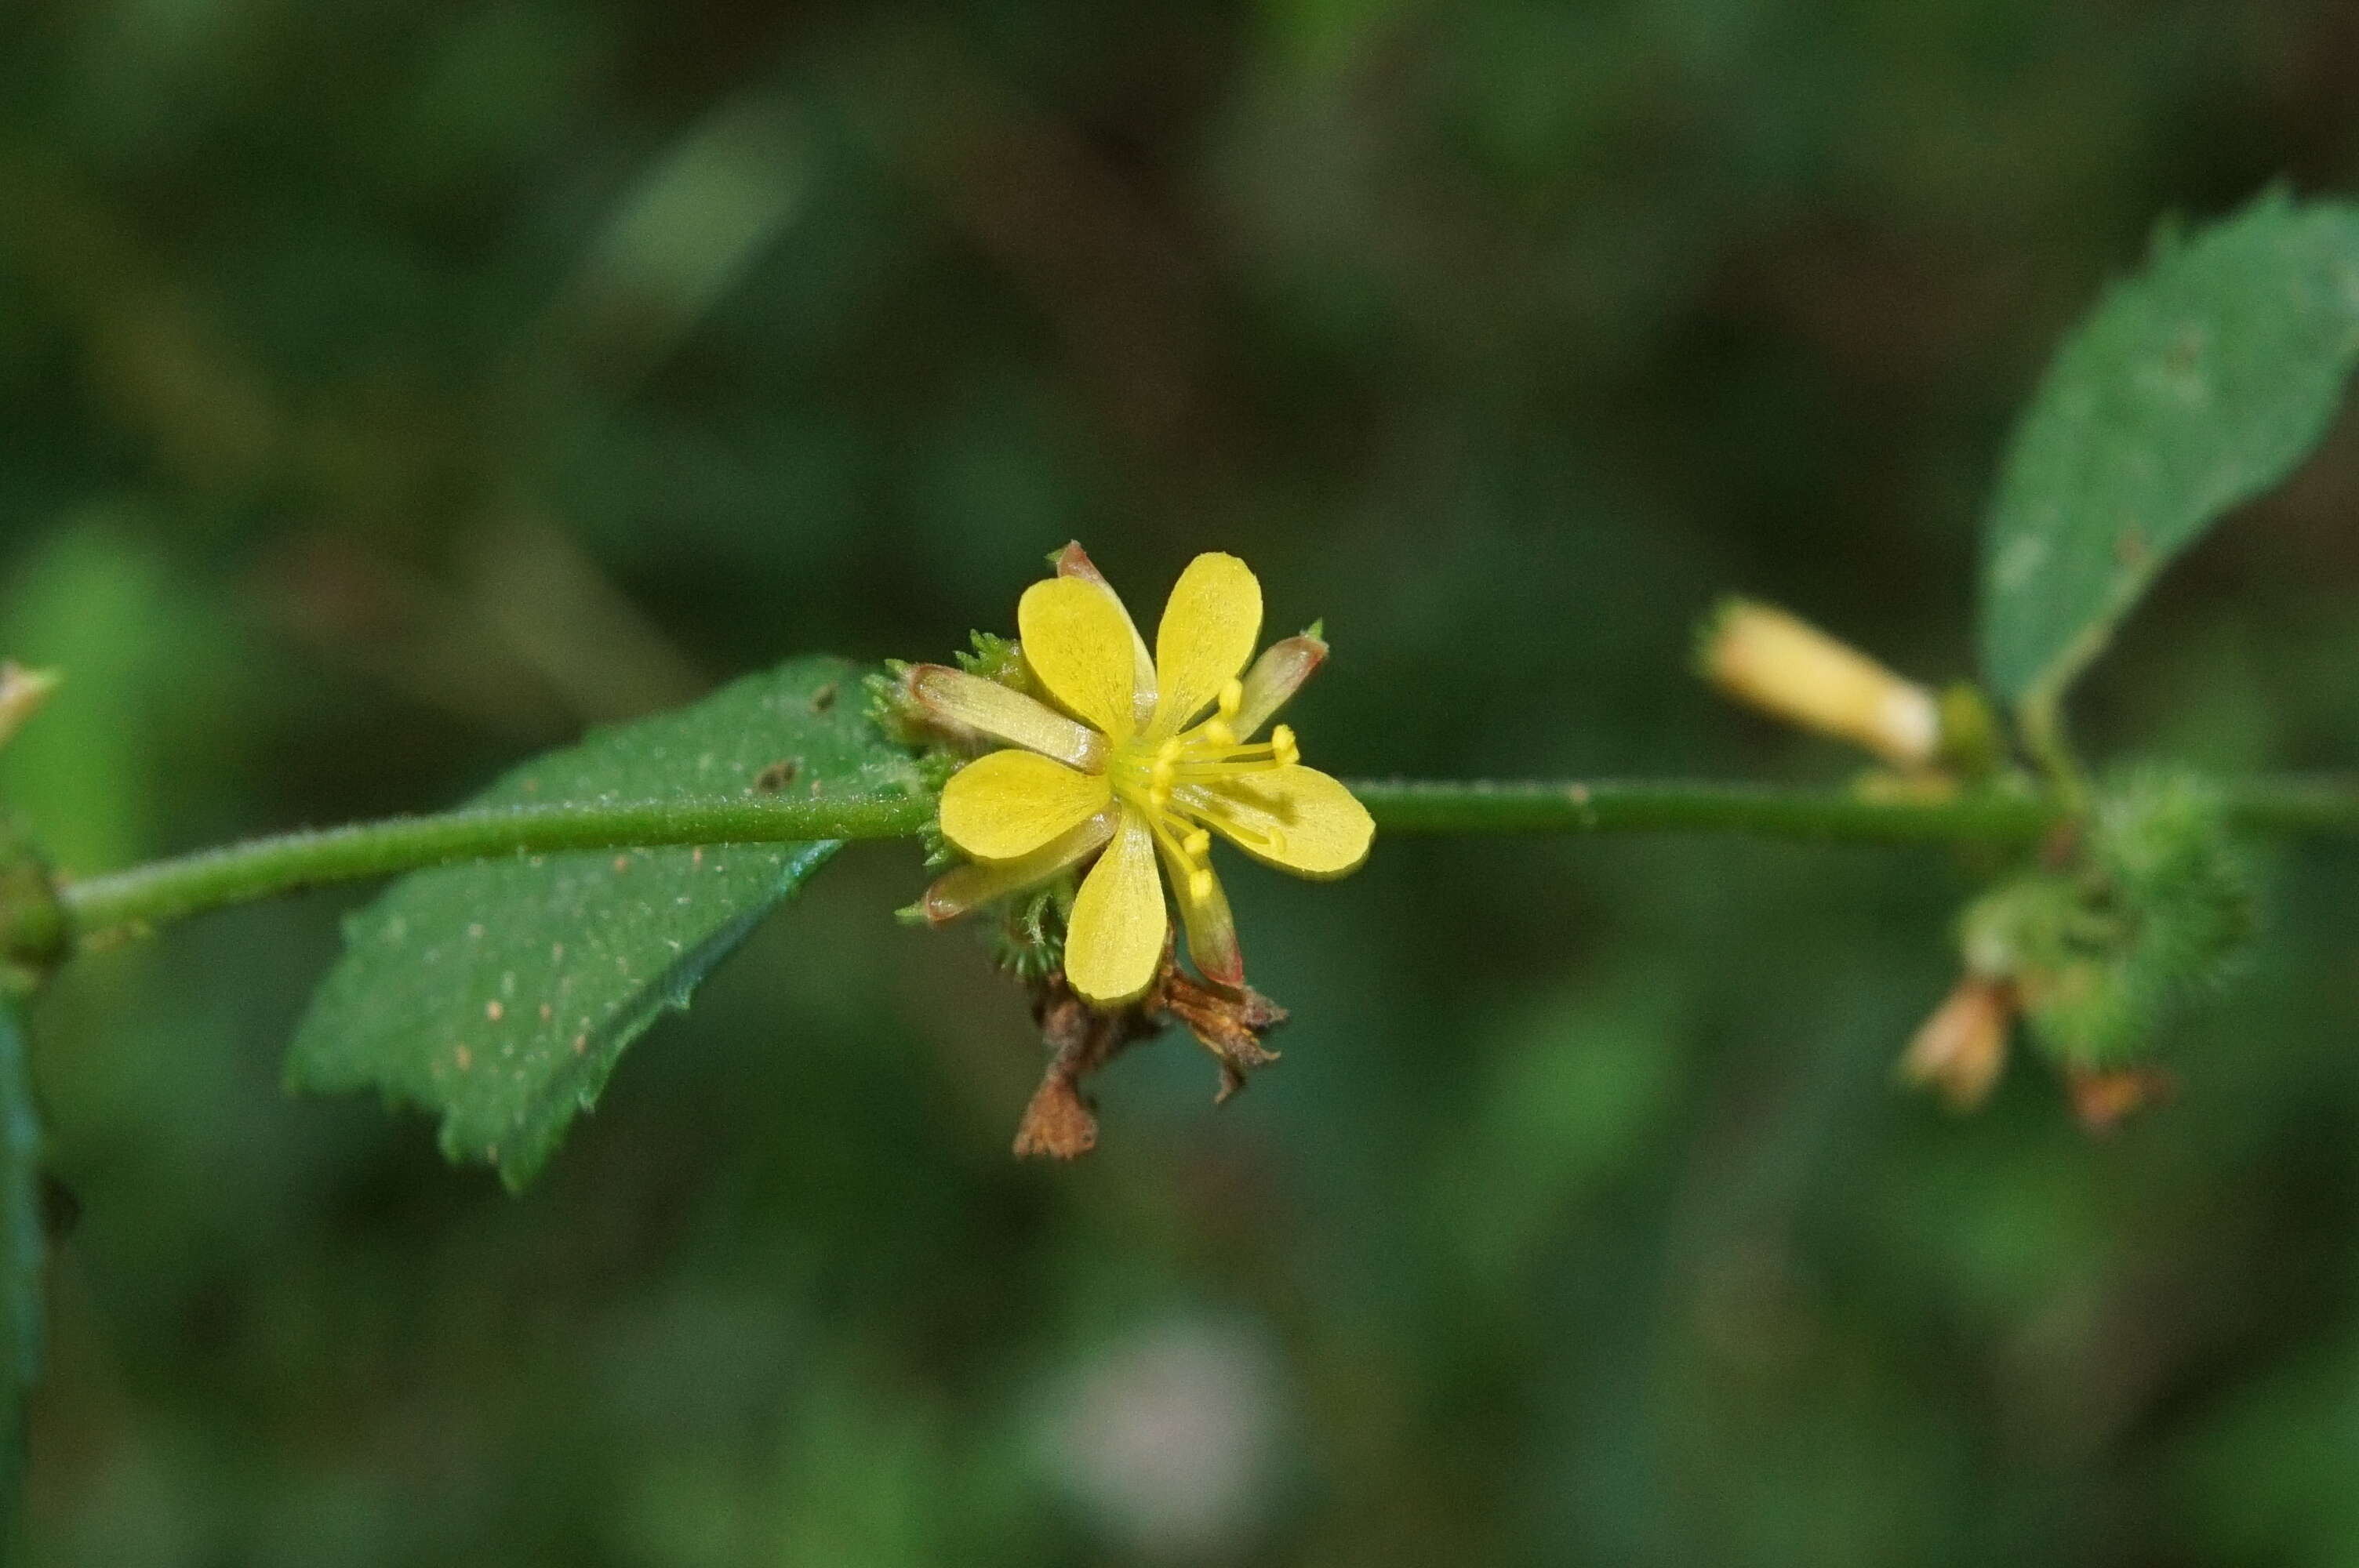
(2192, 388)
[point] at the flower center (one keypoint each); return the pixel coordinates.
(1180, 785)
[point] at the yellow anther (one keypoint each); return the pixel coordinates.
(1158, 797)
(1281, 740)
(1197, 844)
(1232, 697)
(1219, 733)
(1200, 884)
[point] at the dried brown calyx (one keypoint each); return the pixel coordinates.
(2104, 1099)
(1059, 1123)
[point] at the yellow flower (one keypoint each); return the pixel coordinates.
(1141, 759)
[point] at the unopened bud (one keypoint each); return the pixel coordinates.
(22, 692)
(1961, 1048)
(1789, 667)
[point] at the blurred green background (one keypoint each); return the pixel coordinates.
(389, 390)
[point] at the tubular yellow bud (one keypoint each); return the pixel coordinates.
(1786, 666)
(22, 692)
(1961, 1048)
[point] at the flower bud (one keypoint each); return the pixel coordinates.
(22, 692)
(1789, 667)
(1961, 1048)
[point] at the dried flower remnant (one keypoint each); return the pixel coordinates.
(1962, 1049)
(1786, 666)
(1082, 1037)
(2103, 1100)
(1141, 759)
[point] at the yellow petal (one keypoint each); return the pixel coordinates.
(1208, 632)
(1114, 942)
(992, 709)
(1011, 803)
(1079, 642)
(963, 888)
(1296, 818)
(1074, 562)
(1212, 929)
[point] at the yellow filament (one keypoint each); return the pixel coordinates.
(1180, 785)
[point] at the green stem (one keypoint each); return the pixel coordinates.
(149, 896)
(2040, 718)
(1783, 813)
(237, 873)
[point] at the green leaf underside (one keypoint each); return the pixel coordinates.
(23, 1250)
(501, 993)
(2191, 389)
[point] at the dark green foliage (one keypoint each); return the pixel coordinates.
(23, 1284)
(2192, 388)
(501, 995)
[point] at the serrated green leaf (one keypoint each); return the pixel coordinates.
(500, 994)
(22, 1255)
(2191, 389)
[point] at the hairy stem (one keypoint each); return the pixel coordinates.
(150, 895)
(237, 873)
(1401, 806)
